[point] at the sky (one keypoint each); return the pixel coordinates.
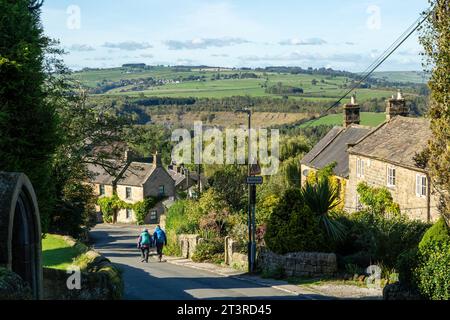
(339, 34)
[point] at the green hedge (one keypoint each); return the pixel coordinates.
(432, 275)
(438, 233)
(376, 239)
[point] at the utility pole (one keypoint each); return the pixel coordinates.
(251, 198)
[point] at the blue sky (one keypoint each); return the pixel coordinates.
(341, 34)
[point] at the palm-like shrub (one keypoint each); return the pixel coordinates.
(321, 197)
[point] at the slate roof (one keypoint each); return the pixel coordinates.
(101, 176)
(136, 174)
(396, 141)
(177, 177)
(333, 148)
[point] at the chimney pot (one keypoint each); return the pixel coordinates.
(352, 112)
(396, 106)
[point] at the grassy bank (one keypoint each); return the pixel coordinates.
(58, 253)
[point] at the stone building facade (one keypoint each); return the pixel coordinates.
(381, 157)
(135, 181)
(385, 158)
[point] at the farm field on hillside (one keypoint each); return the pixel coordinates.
(370, 119)
(229, 119)
(211, 83)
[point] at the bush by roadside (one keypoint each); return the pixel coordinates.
(432, 274)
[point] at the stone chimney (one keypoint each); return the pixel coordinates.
(396, 106)
(352, 113)
(157, 160)
(129, 156)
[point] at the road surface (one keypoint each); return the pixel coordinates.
(167, 281)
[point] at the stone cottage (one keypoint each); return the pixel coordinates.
(385, 158)
(134, 181)
(382, 157)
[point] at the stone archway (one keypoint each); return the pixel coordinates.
(20, 230)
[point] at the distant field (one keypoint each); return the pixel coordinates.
(402, 76)
(370, 119)
(229, 119)
(326, 89)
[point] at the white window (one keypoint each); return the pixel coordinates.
(421, 185)
(153, 217)
(360, 168)
(129, 214)
(128, 193)
(102, 190)
(391, 177)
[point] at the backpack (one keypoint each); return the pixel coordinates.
(145, 239)
(160, 236)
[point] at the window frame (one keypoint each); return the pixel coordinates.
(360, 168)
(153, 213)
(129, 214)
(421, 185)
(163, 193)
(130, 196)
(391, 179)
(101, 190)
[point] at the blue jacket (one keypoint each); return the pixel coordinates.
(160, 236)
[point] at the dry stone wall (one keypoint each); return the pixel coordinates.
(299, 264)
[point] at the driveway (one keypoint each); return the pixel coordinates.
(172, 281)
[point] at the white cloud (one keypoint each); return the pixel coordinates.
(300, 42)
(81, 48)
(200, 43)
(128, 45)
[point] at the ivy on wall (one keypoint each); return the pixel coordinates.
(110, 205)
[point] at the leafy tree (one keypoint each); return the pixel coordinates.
(436, 42)
(229, 186)
(27, 120)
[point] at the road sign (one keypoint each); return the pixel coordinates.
(254, 180)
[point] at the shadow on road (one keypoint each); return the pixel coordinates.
(141, 285)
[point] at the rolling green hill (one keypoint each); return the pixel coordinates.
(370, 119)
(217, 83)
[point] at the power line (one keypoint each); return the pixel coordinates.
(378, 62)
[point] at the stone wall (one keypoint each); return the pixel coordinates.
(233, 257)
(300, 264)
(188, 243)
(404, 193)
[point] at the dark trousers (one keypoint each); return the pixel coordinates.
(145, 251)
(159, 249)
